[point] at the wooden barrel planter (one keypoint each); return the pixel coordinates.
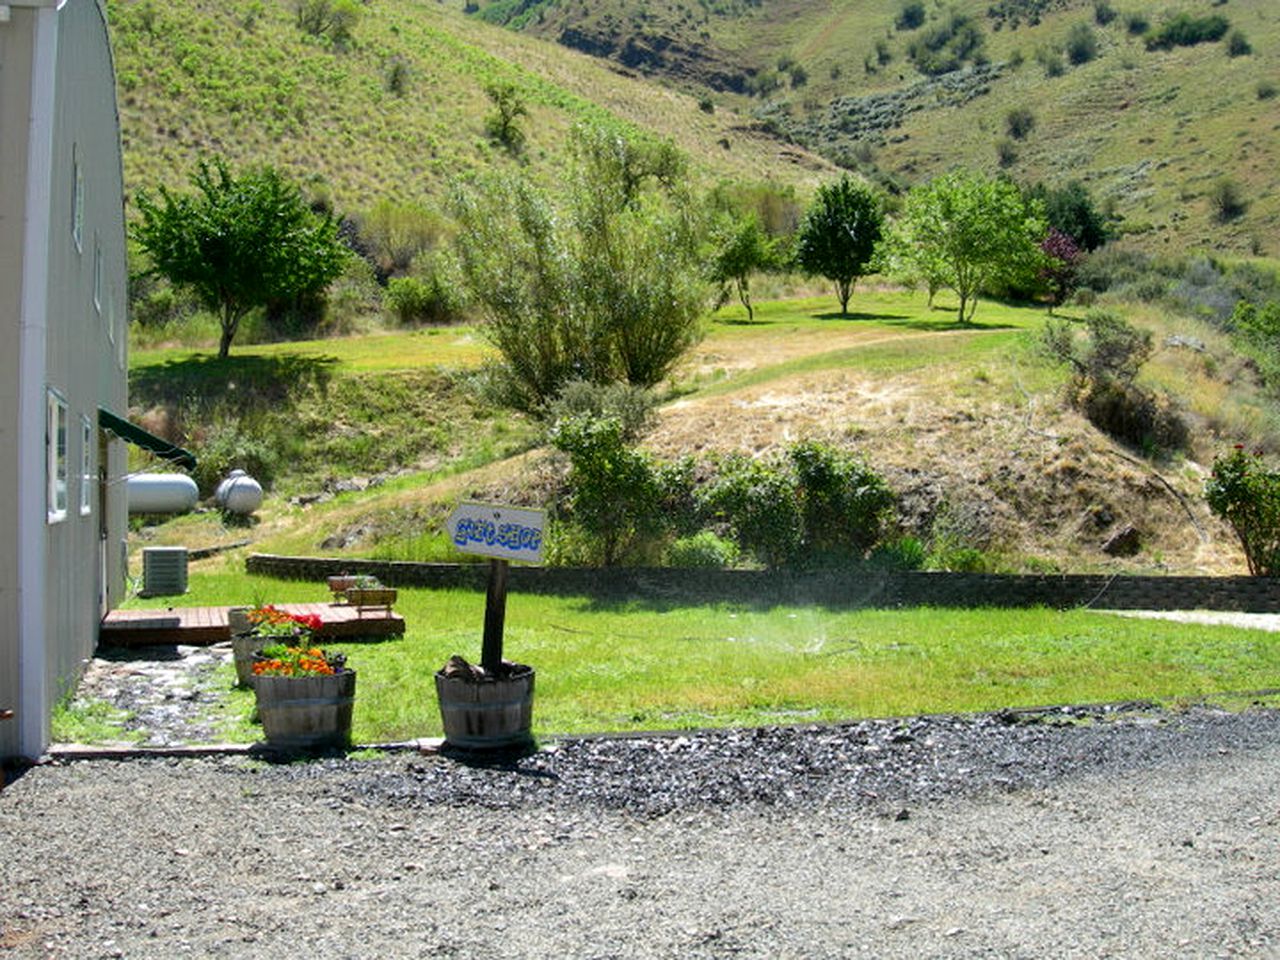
(244, 647)
(488, 714)
(307, 712)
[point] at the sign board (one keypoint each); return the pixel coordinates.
(495, 530)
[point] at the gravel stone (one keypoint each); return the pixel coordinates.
(1077, 832)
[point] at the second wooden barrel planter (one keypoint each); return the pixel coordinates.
(486, 712)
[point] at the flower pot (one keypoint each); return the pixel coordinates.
(244, 647)
(310, 712)
(238, 620)
(487, 714)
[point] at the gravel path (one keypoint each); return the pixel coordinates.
(1076, 833)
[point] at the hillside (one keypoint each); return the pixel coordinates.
(1151, 131)
(969, 426)
(395, 111)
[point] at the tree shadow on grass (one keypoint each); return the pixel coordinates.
(242, 383)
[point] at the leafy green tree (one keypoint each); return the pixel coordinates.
(746, 249)
(968, 232)
(1070, 209)
(1246, 494)
(503, 125)
(627, 164)
(239, 242)
(839, 234)
(603, 284)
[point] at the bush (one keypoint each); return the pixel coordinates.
(904, 553)
(1020, 121)
(1103, 12)
(630, 405)
(1051, 59)
(228, 444)
(331, 20)
(703, 549)
(1136, 23)
(947, 46)
(1246, 494)
(614, 496)
(1238, 44)
(911, 16)
(1185, 30)
(1265, 90)
(758, 504)
(1082, 44)
(416, 300)
(1227, 200)
(845, 504)
(1134, 415)
(1006, 152)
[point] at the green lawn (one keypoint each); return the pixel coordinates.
(614, 667)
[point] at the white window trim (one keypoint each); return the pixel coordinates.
(97, 277)
(87, 477)
(56, 461)
(77, 200)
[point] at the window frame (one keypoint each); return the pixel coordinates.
(56, 427)
(87, 474)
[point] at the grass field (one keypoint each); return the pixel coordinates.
(605, 666)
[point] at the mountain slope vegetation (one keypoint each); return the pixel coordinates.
(1154, 127)
(391, 108)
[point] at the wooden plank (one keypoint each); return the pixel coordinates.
(201, 626)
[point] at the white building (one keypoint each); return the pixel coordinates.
(62, 355)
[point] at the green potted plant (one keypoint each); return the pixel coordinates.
(254, 627)
(305, 695)
(368, 592)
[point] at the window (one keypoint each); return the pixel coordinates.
(77, 200)
(86, 467)
(56, 444)
(97, 276)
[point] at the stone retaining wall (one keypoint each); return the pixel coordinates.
(852, 589)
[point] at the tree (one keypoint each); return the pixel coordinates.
(746, 249)
(504, 123)
(603, 284)
(1062, 261)
(239, 242)
(1070, 209)
(968, 232)
(839, 235)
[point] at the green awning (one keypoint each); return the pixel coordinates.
(147, 441)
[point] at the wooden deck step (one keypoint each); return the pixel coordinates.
(201, 626)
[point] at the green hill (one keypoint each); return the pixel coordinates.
(1152, 131)
(394, 111)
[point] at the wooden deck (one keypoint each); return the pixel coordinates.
(201, 626)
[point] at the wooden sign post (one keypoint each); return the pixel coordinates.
(502, 534)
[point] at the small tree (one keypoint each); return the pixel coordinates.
(503, 125)
(1246, 494)
(839, 235)
(968, 232)
(239, 242)
(603, 285)
(1062, 261)
(746, 249)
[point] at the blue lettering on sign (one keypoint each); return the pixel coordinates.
(512, 536)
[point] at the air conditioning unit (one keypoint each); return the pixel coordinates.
(164, 571)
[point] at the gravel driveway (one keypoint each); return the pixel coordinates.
(1127, 833)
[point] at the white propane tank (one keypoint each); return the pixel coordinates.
(161, 493)
(238, 493)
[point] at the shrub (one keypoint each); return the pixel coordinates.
(1227, 200)
(227, 444)
(1051, 59)
(1265, 90)
(911, 16)
(1134, 415)
(703, 549)
(1184, 30)
(614, 496)
(1136, 23)
(1020, 121)
(1238, 44)
(845, 505)
(707, 105)
(1246, 494)
(1103, 12)
(1006, 152)
(630, 405)
(758, 504)
(427, 299)
(947, 45)
(1082, 44)
(903, 553)
(331, 20)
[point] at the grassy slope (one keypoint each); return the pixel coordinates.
(1150, 131)
(965, 421)
(241, 80)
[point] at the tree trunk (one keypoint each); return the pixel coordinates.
(744, 294)
(230, 323)
(843, 289)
